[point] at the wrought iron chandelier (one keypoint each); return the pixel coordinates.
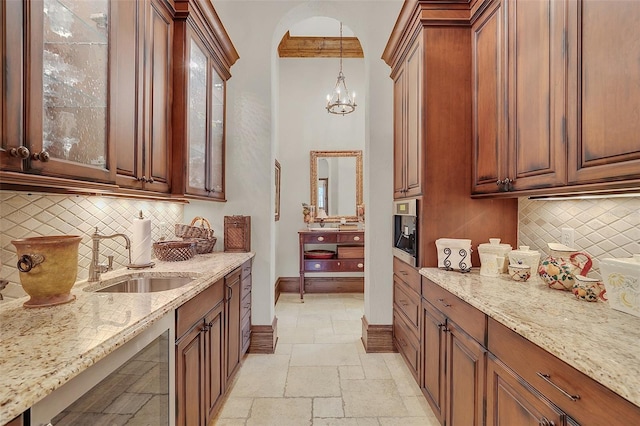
(339, 101)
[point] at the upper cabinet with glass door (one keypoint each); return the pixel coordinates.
(203, 57)
(56, 99)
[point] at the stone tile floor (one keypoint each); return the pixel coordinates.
(321, 375)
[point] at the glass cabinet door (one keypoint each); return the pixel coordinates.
(197, 118)
(216, 157)
(205, 123)
(67, 129)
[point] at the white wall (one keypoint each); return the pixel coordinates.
(254, 126)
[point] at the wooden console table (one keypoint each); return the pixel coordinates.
(348, 248)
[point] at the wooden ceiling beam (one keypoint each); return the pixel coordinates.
(319, 47)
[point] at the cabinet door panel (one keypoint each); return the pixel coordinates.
(433, 347)
(605, 126)
(489, 149)
(197, 119)
(414, 119)
(465, 378)
(214, 360)
(189, 379)
(399, 134)
(511, 401)
(537, 83)
(158, 99)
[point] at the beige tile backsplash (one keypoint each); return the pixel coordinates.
(30, 214)
(604, 227)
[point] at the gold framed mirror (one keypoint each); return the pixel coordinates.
(336, 183)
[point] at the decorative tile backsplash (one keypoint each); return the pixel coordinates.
(27, 214)
(604, 227)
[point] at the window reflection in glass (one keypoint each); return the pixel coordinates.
(75, 66)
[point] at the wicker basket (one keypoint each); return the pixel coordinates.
(174, 251)
(203, 245)
(192, 231)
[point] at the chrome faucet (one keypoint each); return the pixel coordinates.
(96, 268)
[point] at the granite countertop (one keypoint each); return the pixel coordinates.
(43, 348)
(595, 339)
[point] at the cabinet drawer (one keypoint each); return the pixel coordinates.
(407, 302)
(192, 311)
(470, 319)
(352, 237)
(246, 270)
(407, 273)
(406, 343)
(322, 238)
(333, 265)
(596, 404)
(245, 305)
(245, 331)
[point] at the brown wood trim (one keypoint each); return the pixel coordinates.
(604, 188)
(30, 182)
(264, 338)
(377, 338)
(319, 47)
(320, 285)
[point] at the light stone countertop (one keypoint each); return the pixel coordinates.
(595, 339)
(43, 348)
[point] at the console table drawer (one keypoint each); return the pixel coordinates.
(334, 265)
(357, 237)
(320, 238)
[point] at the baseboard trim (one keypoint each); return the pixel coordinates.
(320, 285)
(377, 338)
(264, 338)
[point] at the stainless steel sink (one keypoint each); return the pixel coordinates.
(146, 285)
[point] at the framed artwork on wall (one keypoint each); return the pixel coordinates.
(278, 176)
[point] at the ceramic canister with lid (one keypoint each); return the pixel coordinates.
(494, 248)
(525, 256)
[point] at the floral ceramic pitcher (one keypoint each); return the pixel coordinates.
(558, 270)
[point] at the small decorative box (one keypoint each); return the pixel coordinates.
(454, 254)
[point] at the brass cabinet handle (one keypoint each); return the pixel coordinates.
(20, 152)
(43, 156)
(320, 238)
(547, 378)
(445, 304)
(545, 422)
(317, 266)
(360, 265)
(356, 238)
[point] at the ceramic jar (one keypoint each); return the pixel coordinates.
(621, 278)
(562, 264)
(519, 272)
(493, 257)
(588, 289)
(525, 256)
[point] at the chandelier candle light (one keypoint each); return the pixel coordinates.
(339, 101)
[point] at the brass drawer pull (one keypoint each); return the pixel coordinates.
(317, 266)
(356, 238)
(360, 265)
(547, 378)
(320, 238)
(445, 304)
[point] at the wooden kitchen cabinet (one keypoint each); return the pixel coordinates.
(453, 354)
(245, 307)
(200, 355)
(203, 56)
(232, 317)
(583, 400)
(408, 123)
(510, 401)
(142, 122)
(58, 64)
(406, 314)
(603, 94)
(430, 55)
(519, 103)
